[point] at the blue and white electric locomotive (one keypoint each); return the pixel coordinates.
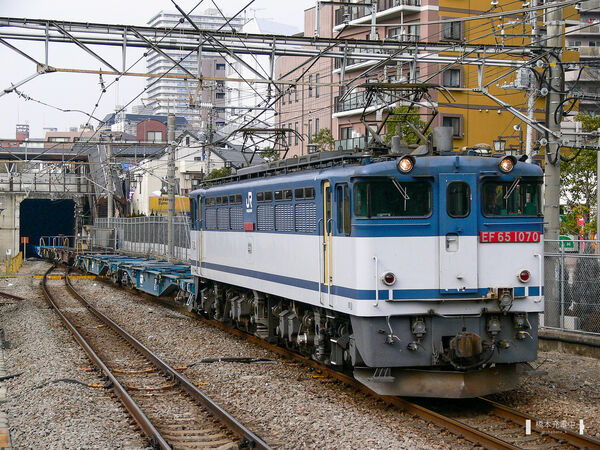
(422, 275)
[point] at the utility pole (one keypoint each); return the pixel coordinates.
(598, 196)
(209, 139)
(532, 82)
(170, 184)
(109, 183)
(552, 165)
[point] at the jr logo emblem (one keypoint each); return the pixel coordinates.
(249, 202)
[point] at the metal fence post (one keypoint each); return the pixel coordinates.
(562, 285)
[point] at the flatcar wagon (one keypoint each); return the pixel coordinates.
(421, 275)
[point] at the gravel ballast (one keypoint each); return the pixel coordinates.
(50, 405)
(287, 404)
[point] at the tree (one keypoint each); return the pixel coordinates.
(401, 116)
(324, 140)
(269, 154)
(218, 173)
(578, 180)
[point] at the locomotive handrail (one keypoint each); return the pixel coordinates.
(376, 284)
(330, 271)
(541, 277)
(321, 256)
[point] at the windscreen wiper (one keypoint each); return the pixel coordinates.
(402, 190)
(512, 187)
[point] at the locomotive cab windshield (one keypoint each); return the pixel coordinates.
(391, 198)
(519, 197)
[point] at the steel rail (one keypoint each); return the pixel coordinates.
(12, 296)
(457, 427)
(132, 407)
(250, 438)
(575, 439)
(470, 433)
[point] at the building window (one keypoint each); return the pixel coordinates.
(290, 134)
(220, 95)
(451, 78)
(317, 126)
(296, 94)
(414, 32)
(220, 124)
(395, 33)
(296, 134)
(154, 136)
(346, 133)
(451, 30)
(317, 88)
(455, 123)
(310, 130)
(187, 140)
(310, 88)
(290, 94)
(220, 66)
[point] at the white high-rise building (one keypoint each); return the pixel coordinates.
(169, 95)
(244, 99)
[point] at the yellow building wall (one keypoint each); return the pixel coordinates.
(484, 120)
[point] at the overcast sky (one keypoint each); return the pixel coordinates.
(79, 91)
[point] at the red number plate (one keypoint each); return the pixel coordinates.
(486, 237)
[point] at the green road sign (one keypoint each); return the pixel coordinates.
(566, 242)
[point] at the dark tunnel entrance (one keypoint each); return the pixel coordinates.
(39, 217)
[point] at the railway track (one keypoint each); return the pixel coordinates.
(8, 296)
(481, 421)
(168, 408)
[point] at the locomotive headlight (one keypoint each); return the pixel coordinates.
(507, 164)
(406, 164)
(388, 278)
(524, 276)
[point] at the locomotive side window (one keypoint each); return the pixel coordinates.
(458, 199)
(307, 193)
(266, 196)
(210, 201)
(196, 212)
(235, 199)
(342, 198)
(512, 198)
(391, 198)
(283, 195)
(193, 212)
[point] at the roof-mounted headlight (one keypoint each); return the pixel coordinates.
(406, 164)
(507, 164)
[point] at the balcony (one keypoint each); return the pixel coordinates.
(357, 143)
(589, 52)
(406, 37)
(354, 100)
(583, 29)
(385, 9)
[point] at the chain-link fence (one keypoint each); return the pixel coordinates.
(148, 235)
(572, 288)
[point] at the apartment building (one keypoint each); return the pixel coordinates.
(169, 95)
(248, 100)
(584, 37)
(307, 107)
(474, 117)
